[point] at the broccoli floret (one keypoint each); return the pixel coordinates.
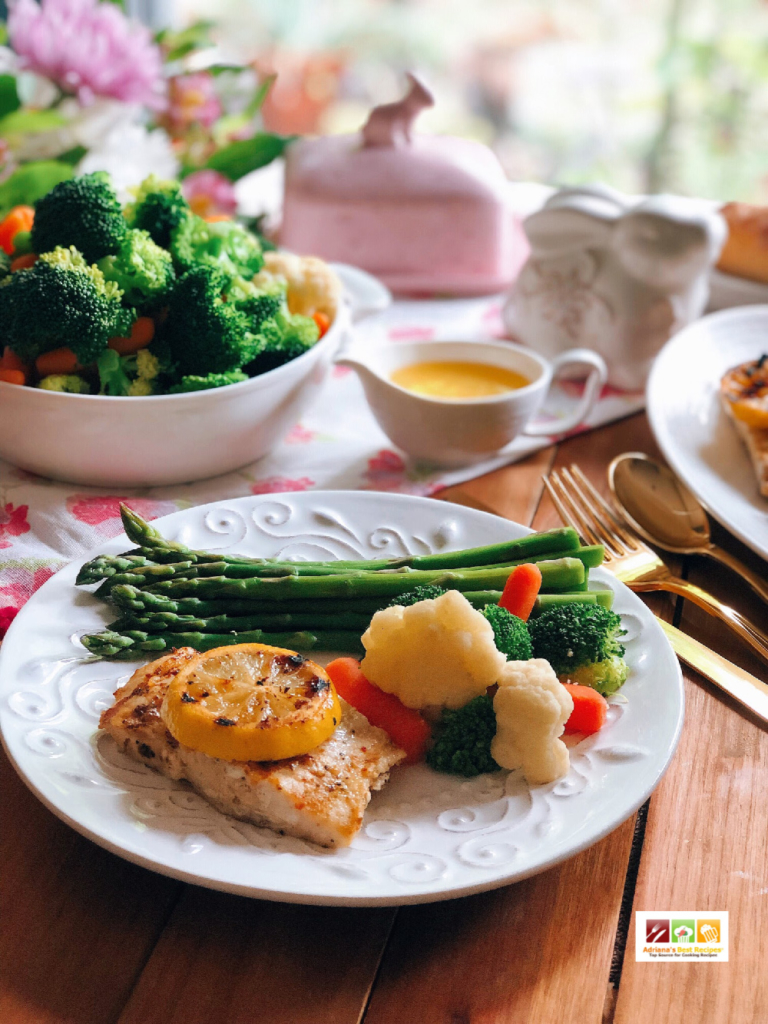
(426, 593)
(22, 243)
(158, 208)
(212, 380)
(83, 212)
(223, 244)
(145, 368)
(463, 743)
(141, 268)
(285, 337)
(5, 264)
(113, 373)
(509, 632)
(581, 636)
(205, 334)
(604, 676)
(259, 303)
(70, 383)
(62, 301)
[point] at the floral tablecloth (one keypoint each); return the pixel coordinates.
(337, 445)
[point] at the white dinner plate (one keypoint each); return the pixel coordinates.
(426, 836)
(693, 431)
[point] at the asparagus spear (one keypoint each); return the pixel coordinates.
(136, 643)
(146, 576)
(558, 574)
(563, 539)
(133, 599)
(289, 621)
(544, 601)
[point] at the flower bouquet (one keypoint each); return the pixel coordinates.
(85, 88)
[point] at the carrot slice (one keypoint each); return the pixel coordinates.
(19, 219)
(406, 728)
(10, 361)
(322, 320)
(29, 259)
(142, 332)
(521, 590)
(13, 376)
(58, 360)
(589, 709)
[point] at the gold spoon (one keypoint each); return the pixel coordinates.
(663, 511)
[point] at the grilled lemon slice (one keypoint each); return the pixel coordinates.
(251, 702)
(746, 388)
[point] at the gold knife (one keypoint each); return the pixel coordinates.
(745, 688)
(740, 684)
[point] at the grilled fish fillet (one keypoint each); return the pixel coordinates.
(320, 796)
(756, 442)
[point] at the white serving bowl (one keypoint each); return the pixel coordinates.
(170, 439)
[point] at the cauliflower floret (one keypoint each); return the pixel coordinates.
(532, 707)
(435, 652)
(313, 287)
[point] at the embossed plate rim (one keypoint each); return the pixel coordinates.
(221, 866)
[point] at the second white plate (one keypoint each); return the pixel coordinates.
(426, 836)
(694, 433)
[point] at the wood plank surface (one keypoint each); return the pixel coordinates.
(521, 953)
(705, 840)
(230, 960)
(76, 923)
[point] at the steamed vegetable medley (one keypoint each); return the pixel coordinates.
(472, 660)
(150, 299)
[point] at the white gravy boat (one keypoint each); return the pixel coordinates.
(455, 432)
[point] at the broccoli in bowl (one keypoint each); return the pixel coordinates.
(151, 299)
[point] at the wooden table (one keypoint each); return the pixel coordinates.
(88, 938)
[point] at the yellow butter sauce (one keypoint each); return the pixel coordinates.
(455, 379)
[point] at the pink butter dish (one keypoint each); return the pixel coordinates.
(423, 213)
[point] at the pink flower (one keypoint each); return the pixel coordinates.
(192, 100)
(275, 484)
(300, 435)
(88, 48)
(385, 463)
(7, 615)
(209, 193)
(13, 522)
(24, 583)
(103, 511)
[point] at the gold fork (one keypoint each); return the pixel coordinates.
(580, 505)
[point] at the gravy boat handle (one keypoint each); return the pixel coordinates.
(598, 375)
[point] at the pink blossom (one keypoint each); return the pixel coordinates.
(88, 48)
(24, 583)
(7, 615)
(103, 511)
(384, 463)
(275, 484)
(13, 522)
(300, 435)
(192, 100)
(209, 193)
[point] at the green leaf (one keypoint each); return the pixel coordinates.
(223, 69)
(72, 156)
(3, 33)
(31, 182)
(259, 96)
(9, 97)
(245, 155)
(23, 122)
(179, 44)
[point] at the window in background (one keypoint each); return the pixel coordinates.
(642, 94)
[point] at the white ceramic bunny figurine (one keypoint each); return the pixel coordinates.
(615, 274)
